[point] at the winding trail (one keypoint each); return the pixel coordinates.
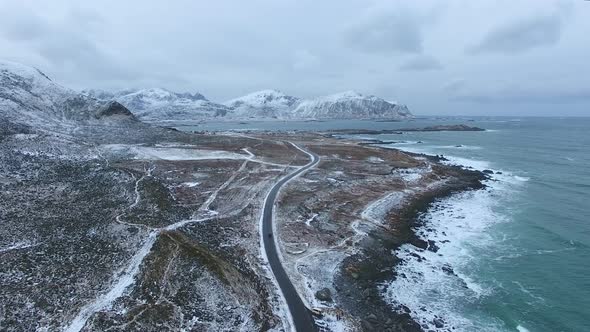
(302, 320)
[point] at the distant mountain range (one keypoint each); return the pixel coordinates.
(27, 93)
(157, 105)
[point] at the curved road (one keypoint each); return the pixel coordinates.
(301, 315)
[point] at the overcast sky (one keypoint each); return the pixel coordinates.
(439, 57)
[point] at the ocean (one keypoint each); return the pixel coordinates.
(514, 256)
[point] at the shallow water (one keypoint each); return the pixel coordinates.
(519, 250)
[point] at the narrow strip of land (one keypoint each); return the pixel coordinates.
(302, 319)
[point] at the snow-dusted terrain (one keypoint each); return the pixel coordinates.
(29, 97)
(350, 105)
(103, 227)
(160, 105)
(157, 105)
(112, 224)
(263, 104)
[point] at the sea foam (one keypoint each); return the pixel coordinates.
(435, 285)
(438, 286)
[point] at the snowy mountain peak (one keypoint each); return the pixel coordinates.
(26, 92)
(158, 104)
(263, 104)
(17, 69)
(30, 97)
(24, 77)
(160, 94)
(346, 94)
(263, 97)
(350, 105)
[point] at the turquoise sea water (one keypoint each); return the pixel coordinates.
(520, 250)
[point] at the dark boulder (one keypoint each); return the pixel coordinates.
(439, 323)
(324, 294)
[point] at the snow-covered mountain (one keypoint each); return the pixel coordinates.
(157, 104)
(262, 104)
(350, 105)
(160, 105)
(345, 105)
(28, 96)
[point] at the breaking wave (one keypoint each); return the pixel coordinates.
(440, 285)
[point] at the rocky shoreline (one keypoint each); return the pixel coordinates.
(362, 276)
(460, 127)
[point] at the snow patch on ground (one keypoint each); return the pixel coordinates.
(156, 153)
(412, 175)
(126, 278)
(17, 246)
(377, 210)
(375, 160)
(317, 270)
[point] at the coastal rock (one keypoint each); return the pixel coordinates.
(448, 269)
(439, 323)
(432, 246)
(419, 243)
(459, 127)
(324, 294)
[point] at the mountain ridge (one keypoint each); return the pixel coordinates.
(157, 105)
(28, 96)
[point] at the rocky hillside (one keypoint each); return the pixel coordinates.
(346, 105)
(263, 104)
(157, 104)
(31, 98)
(350, 105)
(161, 105)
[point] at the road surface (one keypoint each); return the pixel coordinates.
(301, 315)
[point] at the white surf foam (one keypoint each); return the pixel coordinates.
(462, 147)
(437, 285)
(440, 285)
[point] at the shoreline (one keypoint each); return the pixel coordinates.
(361, 276)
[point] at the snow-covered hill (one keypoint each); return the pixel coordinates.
(160, 105)
(350, 105)
(157, 104)
(262, 104)
(345, 105)
(30, 97)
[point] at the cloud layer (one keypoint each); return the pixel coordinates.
(521, 36)
(403, 50)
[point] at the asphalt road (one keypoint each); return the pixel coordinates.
(302, 317)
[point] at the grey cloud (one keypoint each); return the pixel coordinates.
(421, 63)
(303, 59)
(524, 95)
(308, 48)
(68, 43)
(521, 36)
(454, 86)
(389, 31)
